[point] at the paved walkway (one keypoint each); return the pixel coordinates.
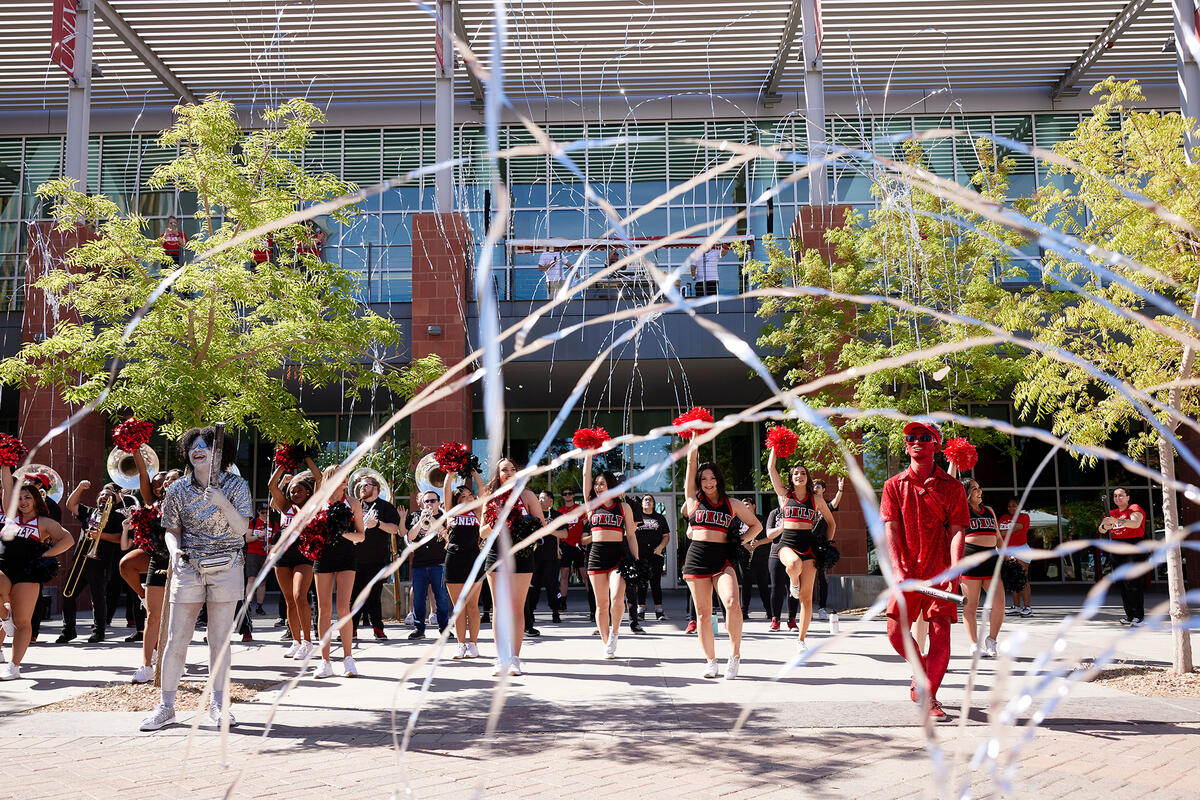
(643, 725)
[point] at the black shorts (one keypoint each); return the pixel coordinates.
(803, 543)
(156, 573)
(458, 564)
(292, 557)
(705, 559)
(572, 556)
(605, 557)
(338, 556)
(523, 561)
(21, 560)
(981, 571)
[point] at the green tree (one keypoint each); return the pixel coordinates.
(905, 248)
(1121, 149)
(214, 346)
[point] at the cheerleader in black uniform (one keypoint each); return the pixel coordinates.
(612, 530)
(29, 543)
(293, 571)
(706, 566)
(461, 552)
(982, 536)
(798, 542)
(524, 519)
(149, 548)
(334, 569)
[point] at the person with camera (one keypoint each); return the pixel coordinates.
(1127, 524)
(381, 521)
(428, 563)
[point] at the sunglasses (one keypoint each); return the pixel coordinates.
(924, 438)
(429, 502)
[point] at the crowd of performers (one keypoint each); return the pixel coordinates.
(195, 545)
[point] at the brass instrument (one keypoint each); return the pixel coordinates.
(85, 549)
(385, 491)
(429, 476)
(122, 470)
(56, 481)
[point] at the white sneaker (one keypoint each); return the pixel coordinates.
(822, 614)
(324, 671)
(989, 647)
(611, 649)
(605, 652)
(1136, 622)
(1026, 612)
(973, 649)
(2, 658)
(7, 625)
(461, 652)
(410, 619)
(214, 715)
(710, 669)
(349, 668)
(292, 651)
(515, 667)
(433, 620)
(794, 590)
(1012, 611)
(143, 674)
(731, 667)
(303, 651)
(472, 650)
(160, 718)
(10, 672)
(497, 667)
(801, 647)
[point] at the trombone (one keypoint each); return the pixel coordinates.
(87, 549)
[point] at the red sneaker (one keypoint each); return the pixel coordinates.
(247, 637)
(937, 713)
(912, 692)
(774, 626)
(691, 627)
(792, 626)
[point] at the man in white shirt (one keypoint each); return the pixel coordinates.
(551, 262)
(704, 272)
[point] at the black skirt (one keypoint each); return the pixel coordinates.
(803, 543)
(156, 573)
(705, 559)
(523, 560)
(21, 561)
(605, 557)
(984, 570)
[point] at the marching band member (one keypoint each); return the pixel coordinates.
(95, 570)
(381, 521)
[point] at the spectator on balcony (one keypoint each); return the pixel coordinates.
(704, 271)
(554, 265)
(173, 240)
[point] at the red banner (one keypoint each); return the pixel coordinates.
(62, 36)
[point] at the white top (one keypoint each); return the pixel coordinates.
(552, 262)
(706, 265)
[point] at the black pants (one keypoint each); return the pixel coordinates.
(756, 570)
(654, 563)
(372, 610)
(822, 589)
(779, 589)
(1133, 596)
(545, 576)
(95, 576)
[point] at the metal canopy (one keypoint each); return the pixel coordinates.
(335, 51)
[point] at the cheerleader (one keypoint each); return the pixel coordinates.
(612, 531)
(334, 568)
(798, 541)
(706, 566)
(30, 542)
(294, 572)
(461, 552)
(524, 518)
(981, 536)
(149, 557)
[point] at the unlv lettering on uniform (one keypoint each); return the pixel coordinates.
(713, 519)
(466, 519)
(606, 519)
(800, 513)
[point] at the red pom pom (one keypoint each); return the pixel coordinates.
(453, 457)
(131, 434)
(316, 535)
(12, 450)
(692, 415)
(140, 521)
(782, 440)
(590, 438)
(288, 457)
(961, 453)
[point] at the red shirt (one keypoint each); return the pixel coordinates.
(1020, 532)
(1128, 533)
(575, 529)
(261, 255)
(924, 512)
(172, 241)
(259, 546)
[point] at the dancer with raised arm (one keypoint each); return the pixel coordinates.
(206, 515)
(149, 555)
(524, 519)
(803, 505)
(30, 543)
(613, 530)
(461, 551)
(294, 572)
(706, 566)
(924, 512)
(333, 568)
(981, 536)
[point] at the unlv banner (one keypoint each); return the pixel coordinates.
(62, 36)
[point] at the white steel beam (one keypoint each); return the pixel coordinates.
(138, 46)
(1065, 87)
(460, 30)
(79, 99)
(786, 43)
(814, 99)
(443, 113)
(1187, 57)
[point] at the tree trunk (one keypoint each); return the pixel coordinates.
(1181, 639)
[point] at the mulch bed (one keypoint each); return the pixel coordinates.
(144, 697)
(1147, 680)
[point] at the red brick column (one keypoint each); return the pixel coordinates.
(441, 256)
(79, 453)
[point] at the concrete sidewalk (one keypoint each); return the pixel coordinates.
(643, 724)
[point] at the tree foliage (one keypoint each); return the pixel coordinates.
(906, 248)
(215, 345)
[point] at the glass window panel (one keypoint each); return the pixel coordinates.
(736, 457)
(93, 180)
(966, 156)
(362, 157)
(153, 157)
(530, 225)
(1020, 129)
(477, 170)
(939, 153)
(401, 151)
(43, 162)
(324, 153)
(156, 204)
(119, 169)
(403, 198)
(1080, 514)
(10, 179)
(397, 229)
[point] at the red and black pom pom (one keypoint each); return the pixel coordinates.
(141, 523)
(697, 414)
(131, 434)
(783, 441)
(590, 438)
(961, 453)
(324, 529)
(453, 457)
(12, 450)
